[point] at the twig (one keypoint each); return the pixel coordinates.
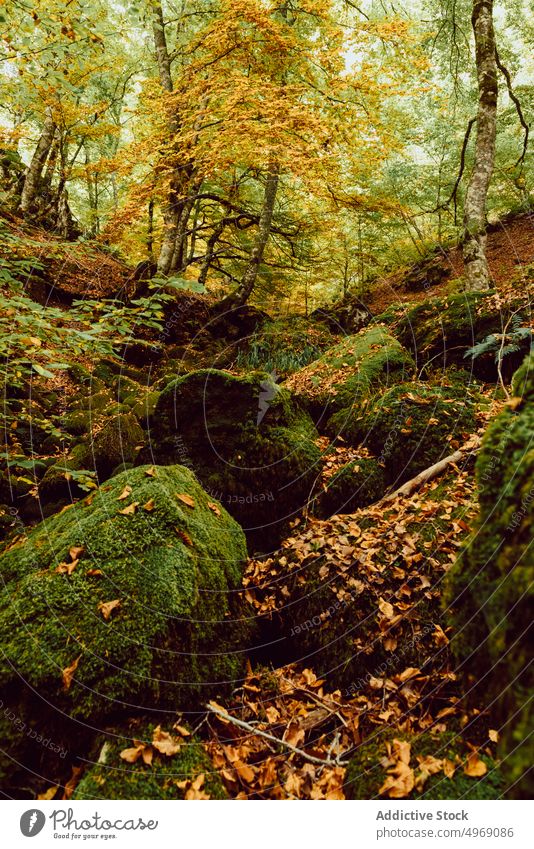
(428, 474)
(250, 728)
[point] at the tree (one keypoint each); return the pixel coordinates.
(474, 240)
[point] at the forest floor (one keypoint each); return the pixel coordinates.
(510, 247)
(286, 732)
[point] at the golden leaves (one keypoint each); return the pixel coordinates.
(162, 742)
(475, 766)
(68, 673)
(185, 499)
(106, 608)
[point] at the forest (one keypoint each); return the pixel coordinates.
(267, 461)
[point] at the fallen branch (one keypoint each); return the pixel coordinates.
(252, 730)
(430, 473)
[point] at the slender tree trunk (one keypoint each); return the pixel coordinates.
(172, 210)
(246, 286)
(35, 168)
(474, 240)
(210, 248)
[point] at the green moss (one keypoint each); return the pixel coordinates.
(489, 589)
(249, 443)
(113, 778)
(117, 441)
(410, 426)
(367, 770)
(439, 331)
(348, 372)
(177, 636)
(355, 485)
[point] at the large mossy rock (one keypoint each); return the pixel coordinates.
(186, 773)
(135, 590)
(347, 373)
(94, 459)
(410, 426)
(439, 331)
(375, 760)
(357, 484)
(250, 444)
(489, 589)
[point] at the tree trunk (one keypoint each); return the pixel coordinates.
(35, 168)
(474, 240)
(245, 288)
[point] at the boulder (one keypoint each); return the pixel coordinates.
(489, 589)
(357, 484)
(410, 426)
(165, 776)
(375, 768)
(250, 444)
(348, 372)
(116, 442)
(439, 331)
(349, 315)
(128, 599)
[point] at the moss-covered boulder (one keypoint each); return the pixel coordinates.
(250, 444)
(424, 766)
(357, 484)
(185, 773)
(114, 444)
(439, 331)
(410, 426)
(126, 599)
(345, 374)
(489, 589)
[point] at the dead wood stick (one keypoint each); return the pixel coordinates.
(432, 472)
(252, 730)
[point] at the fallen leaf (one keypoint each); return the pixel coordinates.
(130, 510)
(67, 568)
(493, 735)
(475, 767)
(186, 499)
(386, 608)
(92, 573)
(186, 539)
(213, 507)
(48, 794)
(165, 743)
(125, 493)
(149, 506)
(151, 472)
(76, 552)
(68, 673)
(107, 607)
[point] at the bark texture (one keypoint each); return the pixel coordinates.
(474, 242)
(35, 168)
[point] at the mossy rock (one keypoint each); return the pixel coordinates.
(143, 407)
(357, 484)
(250, 444)
(439, 331)
(489, 589)
(117, 441)
(174, 560)
(410, 426)
(111, 777)
(347, 373)
(114, 445)
(368, 769)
